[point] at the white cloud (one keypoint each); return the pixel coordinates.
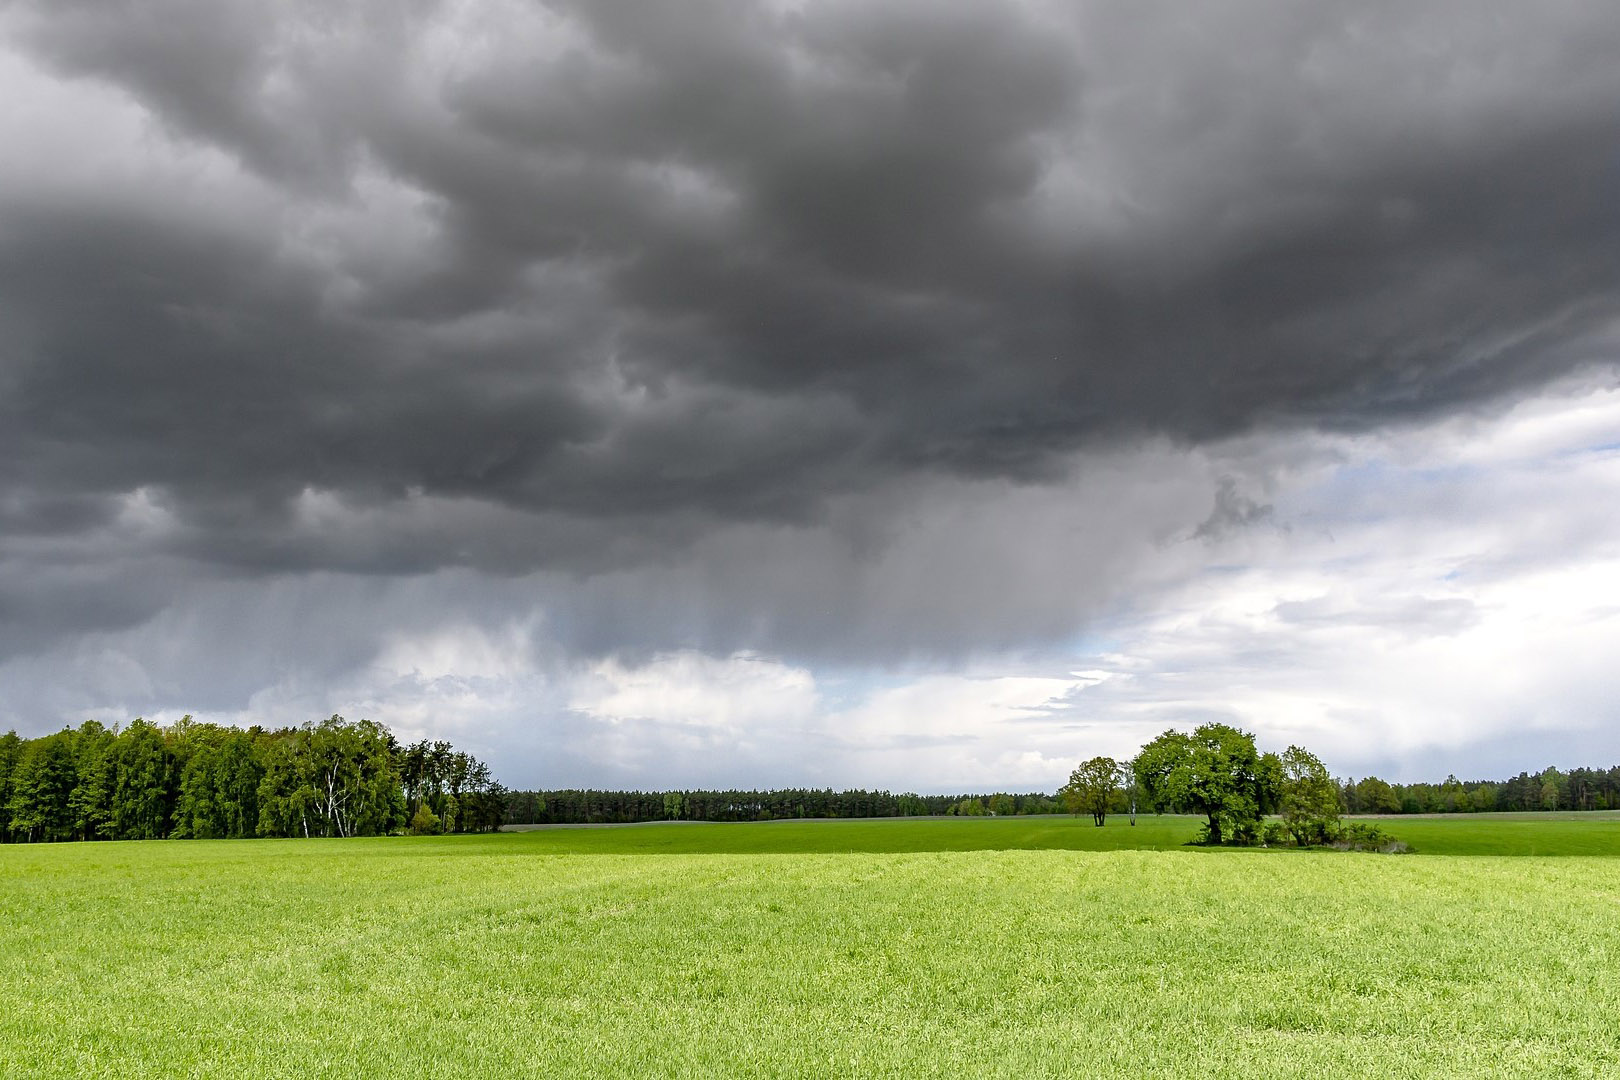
(1417, 596)
(743, 692)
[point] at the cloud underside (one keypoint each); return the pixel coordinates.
(1442, 599)
(858, 339)
(725, 263)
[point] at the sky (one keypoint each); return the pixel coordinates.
(912, 395)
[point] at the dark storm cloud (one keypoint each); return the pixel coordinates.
(562, 286)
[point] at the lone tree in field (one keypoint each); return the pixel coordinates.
(1309, 799)
(1215, 771)
(1091, 786)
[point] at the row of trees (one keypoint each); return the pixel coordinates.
(352, 778)
(574, 807)
(1550, 789)
(448, 791)
(146, 782)
(1215, 771)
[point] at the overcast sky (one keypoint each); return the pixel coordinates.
(918, 395)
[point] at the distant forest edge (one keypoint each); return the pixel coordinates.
(1550, 789)
(353, 778)
(145, 782)
(590, 807)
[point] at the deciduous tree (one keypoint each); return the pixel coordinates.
(1309, 798)
(1215, 771)
(143, 788)
(1091, 787)
(1375, 796)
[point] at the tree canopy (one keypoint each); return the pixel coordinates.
(575, 806)
(1309, 799)
(146, 782)
(1215, 771)
(1580, 788)
(1091, 788)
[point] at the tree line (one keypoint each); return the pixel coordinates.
(580, 807)
(208, 781)
(353, 778)
(1550, 789)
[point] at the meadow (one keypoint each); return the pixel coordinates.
(990, 947)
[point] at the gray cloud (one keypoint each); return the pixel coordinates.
(1233, 510)
(734, 259)
(1418, 615)
(697, 323)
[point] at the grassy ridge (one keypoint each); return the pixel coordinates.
(572, 952)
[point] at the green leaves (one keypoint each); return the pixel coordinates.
(1091, 787)
(206, 781)
(1216, 771)
(1310, 799)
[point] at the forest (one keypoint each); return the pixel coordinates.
(207, 781)
(576, 806)
(1550, 789)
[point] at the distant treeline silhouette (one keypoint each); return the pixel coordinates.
(1550, 789)
(584, 806)
(145, 782)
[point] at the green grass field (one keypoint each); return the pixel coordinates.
(999, 947)
(1456, 834)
